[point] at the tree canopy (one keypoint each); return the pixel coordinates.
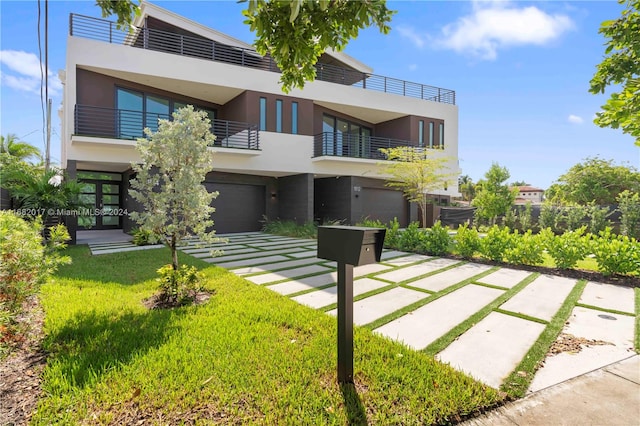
(168, 182)
(621, 67)
(594, 180)
(416, 173)
(495, 197)
(294, 32)
(22, 151)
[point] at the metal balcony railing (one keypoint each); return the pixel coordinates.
(200, 47)
(336, 144)
(127, 124)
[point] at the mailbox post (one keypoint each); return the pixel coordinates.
(349, 246)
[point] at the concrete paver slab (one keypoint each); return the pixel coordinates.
(416, 270)
(505, 277)
(207, 253)
(445, 279)
(288, 273)
(608, 296)
(125, 249)
(306, 253)
(390, 254)
(541, 298)
(258, 256)
(328, 296)
(379, 305)
(226, 248)
(593, 325)
(302, 284)
(275, 266)
(420, 328)
(405, 260)
(491, 349)
(245, 261)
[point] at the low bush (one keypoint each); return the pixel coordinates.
(568, 248)
(143, 237)
(526, 249)
(437, 241)
(179, 287)
(616, 254)
(412, 238)
(392, 239)
(467, 241)
(598, 218)
(289, 228)
(629, 206)
(497, 241)
(26, 261)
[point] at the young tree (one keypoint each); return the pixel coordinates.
(175, 161)
(416, 173)
(495, 198)
(595, 181)
(621, 67)
(294, 32)
(467, 187)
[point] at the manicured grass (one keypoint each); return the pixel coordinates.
(519, 380)
(248, 356)
(588, 264)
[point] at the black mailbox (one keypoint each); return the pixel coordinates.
(351, 245)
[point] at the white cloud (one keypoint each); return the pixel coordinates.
(575, 119)
(494, 25)
(409, 33)
(27, 67)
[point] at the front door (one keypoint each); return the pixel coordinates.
(102, 198)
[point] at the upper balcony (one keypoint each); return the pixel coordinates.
(336, 144)
(199, 47)
(126, 124)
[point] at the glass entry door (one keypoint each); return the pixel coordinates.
(103, 205)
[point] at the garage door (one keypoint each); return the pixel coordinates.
(239, 208)
(384, 205)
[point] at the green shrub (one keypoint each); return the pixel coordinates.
(616, 254)
(179, 287)
(143, 237)
(573, 217)
(289, 228)
(370, 223)
(467, 241)
(437, 240)
(497, 241)
(510, 218)
(527, 249)
(550, 217)
(25, 263)
(629, 206)
(392, 239)
(524, 217)
(568, 248)
(411, 238)
(597, 218)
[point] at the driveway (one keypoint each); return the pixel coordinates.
(480, 319)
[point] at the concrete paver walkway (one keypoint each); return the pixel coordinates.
(489, 350)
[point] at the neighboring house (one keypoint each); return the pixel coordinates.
(529, 194)
(309, 155)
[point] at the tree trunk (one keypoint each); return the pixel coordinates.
(423, 207)
(174, 253)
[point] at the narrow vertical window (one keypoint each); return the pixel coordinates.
(421, 133)
(431, 134)
(279, 115)
(294, 118)
(441, 138)
(263, 113)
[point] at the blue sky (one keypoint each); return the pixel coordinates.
(520, 70)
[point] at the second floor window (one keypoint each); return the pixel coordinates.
(279, 115)
(263, 113)
(441, 136)
(421, 133)
(294, 118)
(431, 134)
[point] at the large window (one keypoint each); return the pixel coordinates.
(263, 113)
(294, 118)
(279, 115)
(431, 134)
(441, 136)
(137, 110)
(345, 138)
(421, 133)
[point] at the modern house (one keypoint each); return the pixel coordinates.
(529, 194)
(312, 154)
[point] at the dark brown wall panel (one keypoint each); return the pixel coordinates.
(332, 199)
(295, 198)
(400, 128)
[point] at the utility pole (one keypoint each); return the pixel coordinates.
(47, 158)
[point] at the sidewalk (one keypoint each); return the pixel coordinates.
(607, 396)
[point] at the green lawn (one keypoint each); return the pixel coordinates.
(248, 356)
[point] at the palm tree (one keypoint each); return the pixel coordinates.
(467, 188)
(17, 149)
